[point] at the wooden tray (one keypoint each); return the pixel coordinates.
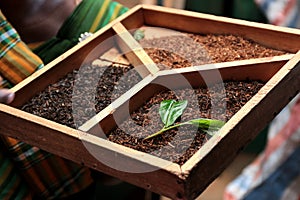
(280, 73)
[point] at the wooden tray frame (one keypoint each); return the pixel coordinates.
(281, 74)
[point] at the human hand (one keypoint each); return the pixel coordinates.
(6, 96)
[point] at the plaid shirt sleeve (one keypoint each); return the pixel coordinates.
(17, 61)
(25, 170)
(48, 176)
(12, 186)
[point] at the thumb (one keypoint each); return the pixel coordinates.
(6, 96)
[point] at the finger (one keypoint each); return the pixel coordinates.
(6, 96)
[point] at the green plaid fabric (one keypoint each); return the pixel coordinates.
(8, 37)
(17, 61)
(42, 174)
(12, 186)
(46, 175)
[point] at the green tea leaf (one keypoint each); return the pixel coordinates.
(170, 110)
(139, 34)
(210, 126)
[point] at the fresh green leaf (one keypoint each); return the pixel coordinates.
(170, 110)
(139, 34)
(206, 124)
(210, 126)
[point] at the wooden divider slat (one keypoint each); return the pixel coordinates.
(134, 52)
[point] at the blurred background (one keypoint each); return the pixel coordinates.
(242, 9)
